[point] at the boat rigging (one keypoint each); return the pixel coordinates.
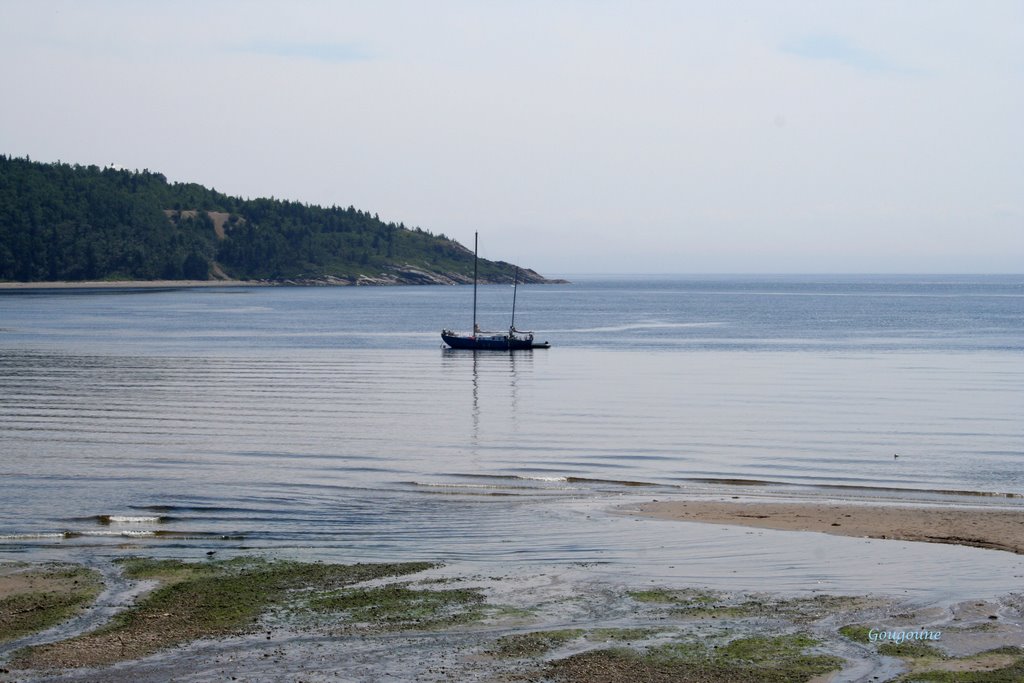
(478, 340)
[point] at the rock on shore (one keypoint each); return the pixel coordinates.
(410, 275)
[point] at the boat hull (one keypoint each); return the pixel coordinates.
(491, 343)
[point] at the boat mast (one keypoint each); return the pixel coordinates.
(515, 288)
(476, 241)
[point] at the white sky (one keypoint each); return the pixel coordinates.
(576, 136)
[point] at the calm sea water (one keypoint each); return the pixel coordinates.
(330, 422)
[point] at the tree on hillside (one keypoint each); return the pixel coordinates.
(71, 222)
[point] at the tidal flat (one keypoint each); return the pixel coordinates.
(250, 618)
(36, 597)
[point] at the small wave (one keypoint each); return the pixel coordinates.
(199, 535)
(127, 533)
(179, 535)
(120, 533)
(469, 487)
(553, 478)
(131, 519)
(733, 481)
(644, 326)
(729, 481)
(617, 482)
(32, 537)
(476, 475)
(190, 508)
(490, 494)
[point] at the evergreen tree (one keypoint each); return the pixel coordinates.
(71, 222)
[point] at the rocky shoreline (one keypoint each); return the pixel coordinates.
(409, 275)
(404, 276)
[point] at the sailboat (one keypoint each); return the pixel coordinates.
(478, 340)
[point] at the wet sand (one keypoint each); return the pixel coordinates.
(563, 626)
(998, 529)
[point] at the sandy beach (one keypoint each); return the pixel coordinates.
(998, 529)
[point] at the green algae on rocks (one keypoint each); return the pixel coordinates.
(929, 663)
(754, 659)
(533, 644)
(199, 600)
(398, 607)
(692, 603)
(36, 599)
(539, 643)
(1002, 665)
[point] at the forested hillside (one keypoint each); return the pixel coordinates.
(69, 222)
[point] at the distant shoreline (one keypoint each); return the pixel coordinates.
(130, 284)
(328, 281)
